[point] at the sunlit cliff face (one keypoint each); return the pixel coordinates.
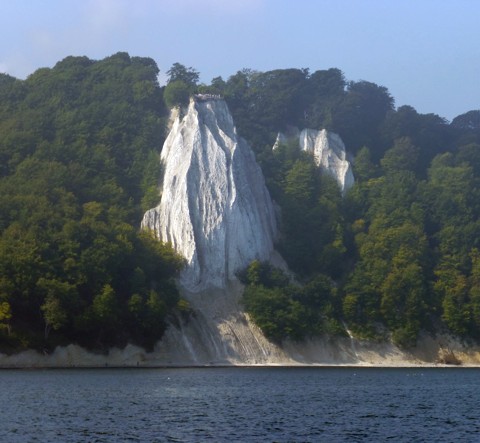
(328, 151)
(215, 209)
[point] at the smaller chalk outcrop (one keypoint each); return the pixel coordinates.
(328, 151)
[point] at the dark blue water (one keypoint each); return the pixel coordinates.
(240, 404)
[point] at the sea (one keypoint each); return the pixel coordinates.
(255, 404)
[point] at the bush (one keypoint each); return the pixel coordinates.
(177, 93)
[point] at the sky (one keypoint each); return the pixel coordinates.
(425, 52)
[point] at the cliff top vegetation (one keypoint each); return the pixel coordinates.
(79, 165)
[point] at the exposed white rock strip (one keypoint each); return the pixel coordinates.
(328, 151)
(215, 209)
(216, 212)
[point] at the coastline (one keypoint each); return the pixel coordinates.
(247, 366)
(320, 353)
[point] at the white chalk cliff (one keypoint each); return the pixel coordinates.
(215, 209)
(328, 151)
(216, 212)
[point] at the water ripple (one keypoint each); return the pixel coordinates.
(240, 405)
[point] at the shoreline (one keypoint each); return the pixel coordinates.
(247, 366)
(444, 352)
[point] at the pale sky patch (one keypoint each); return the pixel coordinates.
(14, 64)
(3, 67)
(101, 15)
(43, 40)
(426, 53)
(205, 7)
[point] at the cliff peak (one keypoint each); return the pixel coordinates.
(215, 209)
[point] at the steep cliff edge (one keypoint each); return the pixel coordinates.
(215, 209)
(328, 152)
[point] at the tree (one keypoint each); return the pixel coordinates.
(474, 292)
(403, 298)
(177, 93)
(326, 90)
(363, 166)
(53, 313)
(469, 155)
(469, 121)
(5, 316)
(75, 167)
(60, 300)
(156, 311)
(105, 308)
(452, 288)
(278, 98)
(79, 165)
(179, 72)
(402, 157)
(428, 132)
(263, 273)
(289, 311)
(301, 182)
(218, 85)
(359, 115)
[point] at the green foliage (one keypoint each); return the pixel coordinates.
(428, 132)
(262, 273)
(359, 115)
(262, 103)
(326, 90)
(401, 243)
(276, 313)
(78, 162)
(466, 128)
(179, 72)
(5, 315)
(104, 307)
(177, 93)
(287, 311)
(60, 299)
(313, 230)
(301, 182)
(402, 157)
(363, 167)
(181, 84)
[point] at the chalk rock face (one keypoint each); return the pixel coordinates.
(215, 209)
(328, 152)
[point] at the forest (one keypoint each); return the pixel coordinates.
(79, 164)
(397, 255)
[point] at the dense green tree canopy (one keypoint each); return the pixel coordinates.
(399, 244)
(76, 153)
(179, 72)
(79, 143)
